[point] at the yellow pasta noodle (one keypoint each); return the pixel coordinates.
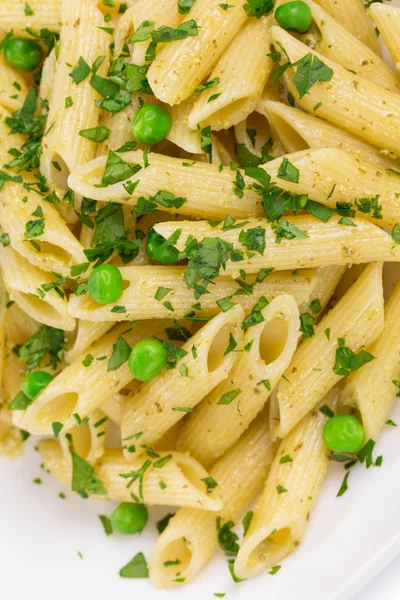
(160, 403)
(387, 20)
(45, 14)
(191, 535)
(229, 409)
(357, 319)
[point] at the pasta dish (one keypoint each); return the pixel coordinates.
(199, 235)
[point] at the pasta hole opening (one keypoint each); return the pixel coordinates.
(176, 558)
(191, 473)
(218, 347)
(273, 340)
(36, 307)
(290, 138)
(234, 111)
(58, 409)
(59, 172)
(272, 549)
(48, 248)
(81, 440)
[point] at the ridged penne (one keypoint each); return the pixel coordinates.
(282, 511)
(343, 47)
(228, 410)
(387, 20)
(56, 249)
(353, 16)
(81, 37)
(191, 536)
(86, 439)
(208, 191)
(81, 389)
(45, 14)
(330, 175)
(7, 140)
(140, 297)
(242, 72)
(86, 333)
(180, 133)
(31, 289)
(180, 67)
(298, 131)
(182, 475)
(358, 318)
(161, 403)
(347, 100)
(372, 389)
(324, 244)
(11, 96)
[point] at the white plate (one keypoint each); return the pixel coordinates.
(349, 540)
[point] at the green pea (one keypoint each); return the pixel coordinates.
(294, 15)
(22, 53)
(105, 284)
(34, 383)
(129, 518)
(158, 249)
(343, 433)
(147, 359)
(151, 124)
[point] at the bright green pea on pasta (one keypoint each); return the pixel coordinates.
(35, 382)
(22, 53)
(158, 249)
(295, 16)
(343, 433)
(151, 124)
(105, 284)
(147, 359)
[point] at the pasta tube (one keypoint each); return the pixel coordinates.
(282, 511)
(87, 439)
(387, 20)
(358, 319)
(45, 14)
(151, 286)
(81, 389)
(373, 389)
(81, 38)
(86, 333)
(229, 409)
(208, 193)
(33, 290)
(191, 535)
(353, 16)
(182, 476)
(298, 131)
(181, 66)
(242, 73)
(161, 403)
(56, 248)
(325, 244)
(346, 100)
(11, 97)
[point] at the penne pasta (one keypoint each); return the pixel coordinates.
(44, 14)
(298, 131)
(13, 88)
(189, 181)
(353, 16)
(81, 389)
(387, 20)
(142, 297)
(181, 474)
(317, 244)
(191, 536)
(35, 291)
(161, 403)
(346, 100)
(241, 75)
(86, 439)
(87, 332)
(81, 38)
(357, 319)
(172, 75)
(373, 389)
(54, 247)
(283, 509)
(228, 410)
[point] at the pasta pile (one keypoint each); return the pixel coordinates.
(241, 238)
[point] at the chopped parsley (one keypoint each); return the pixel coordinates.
(135, 568)
(84, 478)
(347, 361)
(46, 341)
(227, 538)
(120, 354)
